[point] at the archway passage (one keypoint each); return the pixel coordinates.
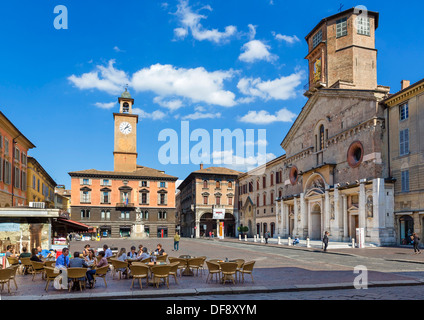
(406, 224)
(315, 223)
(207, 225)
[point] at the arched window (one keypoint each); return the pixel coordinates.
(205, 183)
(321, 137)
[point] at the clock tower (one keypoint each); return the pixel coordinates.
(125, 147)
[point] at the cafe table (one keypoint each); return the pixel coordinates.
(187, 271)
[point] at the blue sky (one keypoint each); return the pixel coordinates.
(237, 64)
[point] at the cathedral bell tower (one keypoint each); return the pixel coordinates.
(342, 52)
(125, 147)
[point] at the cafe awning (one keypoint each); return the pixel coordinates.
(74, 225)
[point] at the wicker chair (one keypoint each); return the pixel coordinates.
(26, 262)
(15, 268)
(195, 263)
(76, 275)
(37, 267)
(51, 274)
(118, 265)
(139, 271)
(174, 270)
(247, 268)
(145, 260)
(12, 261)
(101, 272)
(5, 277)
(50, 263)
(214, 269)
(161, 272)
(182, 264)
(161, 258)
(202, 265)
(240, 263)
(228, 270)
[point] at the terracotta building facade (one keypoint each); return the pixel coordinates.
(132, 200)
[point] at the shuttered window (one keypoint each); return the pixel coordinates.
(405, 180)
(404, 142)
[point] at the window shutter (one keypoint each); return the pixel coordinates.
(166, 184)
(148, 183)
(89, 182)
(401, 143)
(406, 140)
(81, 196)
(1, 169)
(166, 198)
(148, 197)
(81, 181)
(102, 197)
(158, 196)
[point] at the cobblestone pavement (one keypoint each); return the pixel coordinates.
(277, 268)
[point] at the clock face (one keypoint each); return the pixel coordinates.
(125, 127)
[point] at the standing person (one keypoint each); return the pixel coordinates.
(176, 241)
(266, 237)
(416, 243)
(325, 240)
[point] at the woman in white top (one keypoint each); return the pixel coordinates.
(90, 259)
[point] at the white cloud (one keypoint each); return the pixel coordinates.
(155, 115)
(169, 104)
(106, 79)
(107, 105)
(288, 39)
(240, 163)
(201, 115)
(256, 50)
(116, 48)
(195, 84)
(282, 88)
(166, 81)
(264, 117)
(190, 21)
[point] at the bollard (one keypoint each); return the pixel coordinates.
(254, 238)
(308, 245)
(262, 239)
(289, 243)
(279, 240)
(240, 237)
(353, 243)
(245, 237)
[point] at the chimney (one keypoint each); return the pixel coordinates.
(201, 166)
(405, 84)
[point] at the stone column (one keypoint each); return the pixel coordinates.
(296, 214)
(337, 213)
(197, 235)
(345, 217)
(304, 215)
(279, 222)
(362, 206)
(286, 218)
(326, 222)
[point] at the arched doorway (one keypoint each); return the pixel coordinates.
(207, 225)
(272, 227)
(406, 224)
(315, 222)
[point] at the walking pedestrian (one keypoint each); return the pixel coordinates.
(325, 240)
(176, 241)
(416, 243)
(266, 237)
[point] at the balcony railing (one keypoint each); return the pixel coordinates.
(125, 205)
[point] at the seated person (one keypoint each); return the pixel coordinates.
(103, 261)
(159, 251)
(296, 241)
(10, 251)
(77, 261)
(144, 255)
(132, 254)
(24, 253)
(34, 255)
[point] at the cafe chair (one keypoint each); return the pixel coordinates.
(182, 264)
(13, 274)
(174, 270)
(160, 272)
(228, 271)
(214, 269)
(101, 272)
(195, 263)
(51, 274)
(76, 275)
(13, 261)
(5, 277)
(139, 271)
(247, 268)
(26, 262)
(37, 267)
(161, 258)
(145, 260)
(50, 263)
(202, 265)
(240, 263)
(120, 267)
